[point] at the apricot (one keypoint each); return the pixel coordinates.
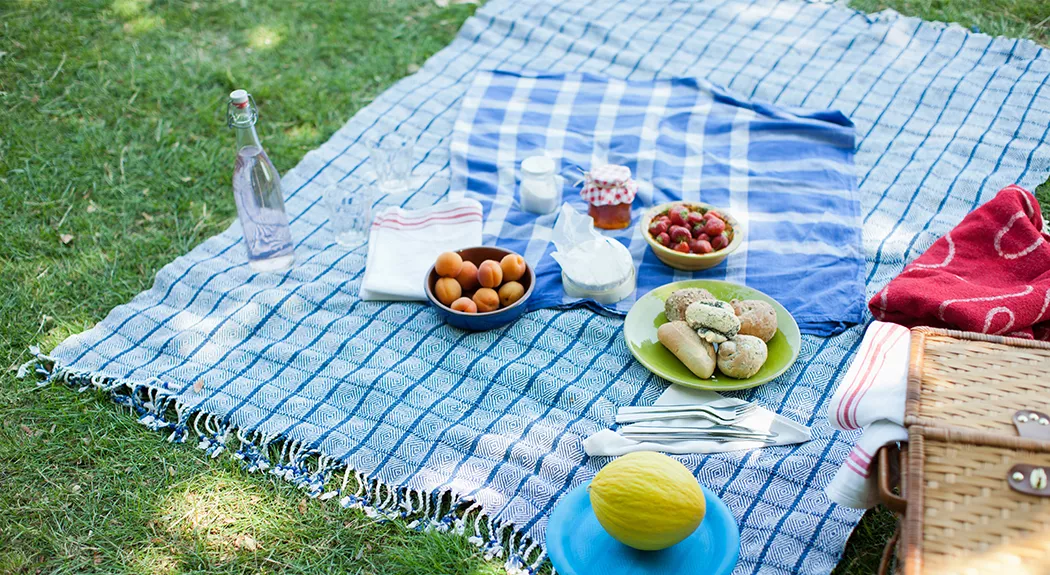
(490, 274)
(465, 305)
(447, 290)
(448, 264)
(510, 292)
(513, 267)
(486, 298)
(468, 276)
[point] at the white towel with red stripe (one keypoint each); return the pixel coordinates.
(403, 244)
(870, 397)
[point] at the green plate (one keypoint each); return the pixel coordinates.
(647, 314)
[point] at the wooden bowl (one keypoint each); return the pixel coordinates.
(691, 262)
(487, 320)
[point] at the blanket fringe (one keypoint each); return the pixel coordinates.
(442, 510)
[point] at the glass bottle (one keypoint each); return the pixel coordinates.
(257, 191)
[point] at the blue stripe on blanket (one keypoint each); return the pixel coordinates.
(495, 420)
(787, 175)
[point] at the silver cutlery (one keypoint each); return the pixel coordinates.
(699, 436)
(722, 414)
(716, 439)
(674, 433)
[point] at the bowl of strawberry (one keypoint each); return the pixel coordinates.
(691, 236)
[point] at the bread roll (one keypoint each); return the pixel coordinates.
(714, 320)
(742, 356)
(697, 354)
(674, 307)
(757, 318)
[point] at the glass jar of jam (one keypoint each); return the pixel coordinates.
(610, 192)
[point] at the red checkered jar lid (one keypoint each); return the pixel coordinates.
(609, 185)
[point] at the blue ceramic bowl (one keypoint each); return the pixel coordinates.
(487, 320)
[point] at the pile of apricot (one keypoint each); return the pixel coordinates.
(469, 288)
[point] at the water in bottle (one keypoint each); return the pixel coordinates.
(257, 192)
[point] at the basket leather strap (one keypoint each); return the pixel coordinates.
(1032, 424)
(1030, 479)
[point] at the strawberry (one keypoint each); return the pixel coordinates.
(680, 234)
(714, 227)
(678, 214)
(700, 247)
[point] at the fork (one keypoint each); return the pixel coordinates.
(720, 414)
(717, 433)
(698, 437)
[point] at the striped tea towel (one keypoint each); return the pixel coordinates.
(403, 244)
(786, 174)
(870, 397)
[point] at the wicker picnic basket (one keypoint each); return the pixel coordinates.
(965, 487)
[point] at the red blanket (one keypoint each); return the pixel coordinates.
(991, 274)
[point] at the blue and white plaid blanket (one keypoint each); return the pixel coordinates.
(786, 175)
(300, 377)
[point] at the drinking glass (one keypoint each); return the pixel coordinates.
(391, 158)
(349, 211)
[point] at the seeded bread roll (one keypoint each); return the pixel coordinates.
(679, 300)
(697, 355)
(714, 320)
(757, 318)
(742, 356)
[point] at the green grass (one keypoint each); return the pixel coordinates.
(111, 133)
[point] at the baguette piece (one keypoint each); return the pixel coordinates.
(681, 340)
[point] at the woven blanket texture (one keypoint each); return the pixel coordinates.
(786, 175)
(300, 377)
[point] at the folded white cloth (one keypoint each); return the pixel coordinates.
(608, 442)
(871, 396)
(403, 244)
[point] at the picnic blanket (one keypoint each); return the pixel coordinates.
(785, 174)
(295, 374)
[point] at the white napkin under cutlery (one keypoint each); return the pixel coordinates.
(610, 443)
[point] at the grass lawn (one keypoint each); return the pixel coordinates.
(112, 163)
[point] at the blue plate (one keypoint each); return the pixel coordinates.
(578, 545)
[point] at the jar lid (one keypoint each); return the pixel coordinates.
(603, 196)
(609, 175)
(537, 165)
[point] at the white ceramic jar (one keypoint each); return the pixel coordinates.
(540, 189)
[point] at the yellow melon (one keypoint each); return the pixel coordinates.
(647, 500)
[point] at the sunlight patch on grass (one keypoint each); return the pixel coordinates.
(303, 133)
(154, 561)
(264, 38)
(128, 9)
(143, 24)
(220, 511)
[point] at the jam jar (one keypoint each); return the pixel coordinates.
(610, 192)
